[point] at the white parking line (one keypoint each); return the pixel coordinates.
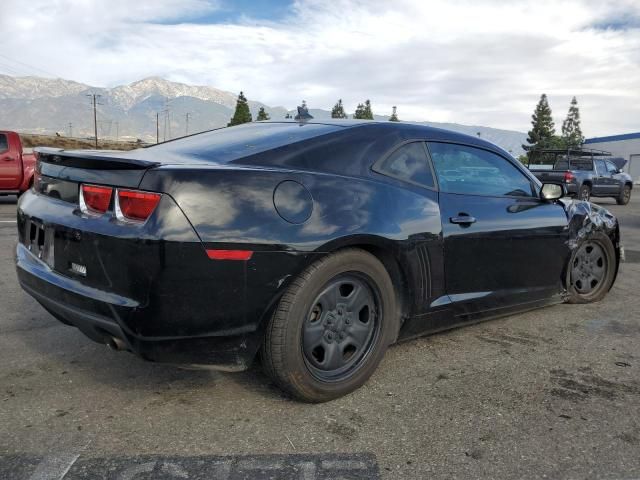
(54, 467)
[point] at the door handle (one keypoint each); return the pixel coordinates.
(8, 159)
(463, 220)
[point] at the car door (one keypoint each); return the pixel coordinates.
(601, 185)
(615, 183)
(10, 166)
(503, 245)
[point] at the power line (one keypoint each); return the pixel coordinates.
(9, 69)
(29, 66)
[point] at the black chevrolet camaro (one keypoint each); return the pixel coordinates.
(315, 244)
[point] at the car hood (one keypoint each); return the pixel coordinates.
(619, 162)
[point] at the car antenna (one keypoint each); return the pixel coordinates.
(303, 113)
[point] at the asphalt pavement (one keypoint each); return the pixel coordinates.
(552, 393)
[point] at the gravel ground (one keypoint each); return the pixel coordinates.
(550, 393)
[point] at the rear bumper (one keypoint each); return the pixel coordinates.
(102, 317)
(152, 287)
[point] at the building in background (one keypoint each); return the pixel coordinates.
(626, 146)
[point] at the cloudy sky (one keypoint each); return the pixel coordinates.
(482, 62)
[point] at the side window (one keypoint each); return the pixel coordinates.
(600, 167)
(473, 171)
(611, 167)
(408, 163)
(4, 144)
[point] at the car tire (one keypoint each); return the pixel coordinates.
(584, 193)
(591, 269)
(315, 347)
(625, 195)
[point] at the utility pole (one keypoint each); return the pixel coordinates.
(186, 117)
(157, 127)
(70, 130)
(94, 97)
(167, 120)
(117, 130)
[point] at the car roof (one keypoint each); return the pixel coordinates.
(348, 143)
(419, 129)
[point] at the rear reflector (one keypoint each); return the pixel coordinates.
(229, 254)
(135, 205)
(95, 199)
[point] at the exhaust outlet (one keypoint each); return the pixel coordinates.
(114, 343)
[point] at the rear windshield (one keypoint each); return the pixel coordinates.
(575, 164)
(227, 144)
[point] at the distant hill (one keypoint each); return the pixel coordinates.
(45, 106)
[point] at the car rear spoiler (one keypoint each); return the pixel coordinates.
(91, 159)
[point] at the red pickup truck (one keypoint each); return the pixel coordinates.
(16, 167)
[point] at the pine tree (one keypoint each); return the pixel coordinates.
(543, 129)
(287, 116)
(262, 115)
(359, 113)
(363, 111)
(571, 131)
(394, 116)
(338, 110)
(368, 114)
(242, 113)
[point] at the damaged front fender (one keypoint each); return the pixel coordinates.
(585, 219)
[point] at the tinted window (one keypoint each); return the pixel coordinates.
(408, 163)
(474, 171)
(576, 164)
(4, 145)
(611, 167)
(600, 167)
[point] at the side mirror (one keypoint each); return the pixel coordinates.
(552, 191)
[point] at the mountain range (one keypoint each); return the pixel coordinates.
(136, 110)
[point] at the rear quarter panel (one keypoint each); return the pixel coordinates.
(234, 208)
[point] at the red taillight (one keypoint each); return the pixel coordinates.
(229, 254)
(136, 205)
(568, 177)
(95, 199)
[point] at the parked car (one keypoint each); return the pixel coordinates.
(316, 244)
(16, 167)
(588, 174)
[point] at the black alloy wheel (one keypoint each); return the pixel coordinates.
(332, 326)
(341, 327)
